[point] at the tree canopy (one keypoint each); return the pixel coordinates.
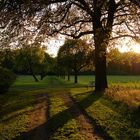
(74, 55)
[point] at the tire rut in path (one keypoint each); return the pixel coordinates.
(38, 118)
(85, 125)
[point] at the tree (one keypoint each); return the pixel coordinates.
(30, 58)
(74, 55)
(47, 66)
(123, 63)
(7, 58)
(76, 18)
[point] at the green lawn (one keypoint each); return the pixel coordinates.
(116, 112)
(117, 80)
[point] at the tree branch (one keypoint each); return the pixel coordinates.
(78, 36)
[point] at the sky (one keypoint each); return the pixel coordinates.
(125, 46)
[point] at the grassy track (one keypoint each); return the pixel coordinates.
(116, 112)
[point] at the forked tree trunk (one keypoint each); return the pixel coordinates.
(102, 34)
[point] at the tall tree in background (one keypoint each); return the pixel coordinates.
(47, 66)
(104, 19)
(74, 55)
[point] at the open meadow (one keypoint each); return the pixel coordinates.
(56, 109)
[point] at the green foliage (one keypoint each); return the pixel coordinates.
(123, 63)
(73, 56)
(6, 79)
(29, 58)
(7, 58)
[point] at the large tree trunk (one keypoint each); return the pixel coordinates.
(101, 41)
(100, 69)
(102, 33)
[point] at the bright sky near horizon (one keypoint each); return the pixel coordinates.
(54, 44)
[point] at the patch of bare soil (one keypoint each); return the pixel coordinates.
(86, 127)
(37, 120)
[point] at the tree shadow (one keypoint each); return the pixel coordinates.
(46, 130)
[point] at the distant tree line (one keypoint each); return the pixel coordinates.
(127, 63)
(75, 57)
(29, 60)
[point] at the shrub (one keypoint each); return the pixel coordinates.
(6, 79)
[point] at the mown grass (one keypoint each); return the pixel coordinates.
(113, 80)
(62, 122)
(116, 112)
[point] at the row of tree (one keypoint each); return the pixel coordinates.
(28, 60)
(123, 63)
(74, 57)
(78, 56)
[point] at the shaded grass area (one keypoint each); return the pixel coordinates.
(116, 112)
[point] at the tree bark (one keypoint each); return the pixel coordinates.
(100, 70)
(68, 77)
(31, 70)
(75, 78)
(101, 42)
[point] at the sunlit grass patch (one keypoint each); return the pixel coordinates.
(56, 106)
(12, 128)
(61, 117)
(70, 130)
(129, 96)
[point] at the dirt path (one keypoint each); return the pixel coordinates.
(86, 127)
(39, 124)
(37, 120)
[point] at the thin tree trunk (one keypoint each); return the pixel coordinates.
(31, 70)
(68, 77)
(75, 78)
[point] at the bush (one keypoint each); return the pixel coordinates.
(6, 79)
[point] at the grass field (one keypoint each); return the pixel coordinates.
(116, 112)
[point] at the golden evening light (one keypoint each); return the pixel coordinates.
(69, 69)
(127, 46)
(132, 47)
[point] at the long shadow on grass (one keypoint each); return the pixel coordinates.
(60, 119)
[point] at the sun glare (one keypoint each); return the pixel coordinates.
(53, 46)
(132, 47)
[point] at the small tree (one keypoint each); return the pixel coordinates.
(30, 57)
(74, 55)
(7, 78)
(47, 66)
